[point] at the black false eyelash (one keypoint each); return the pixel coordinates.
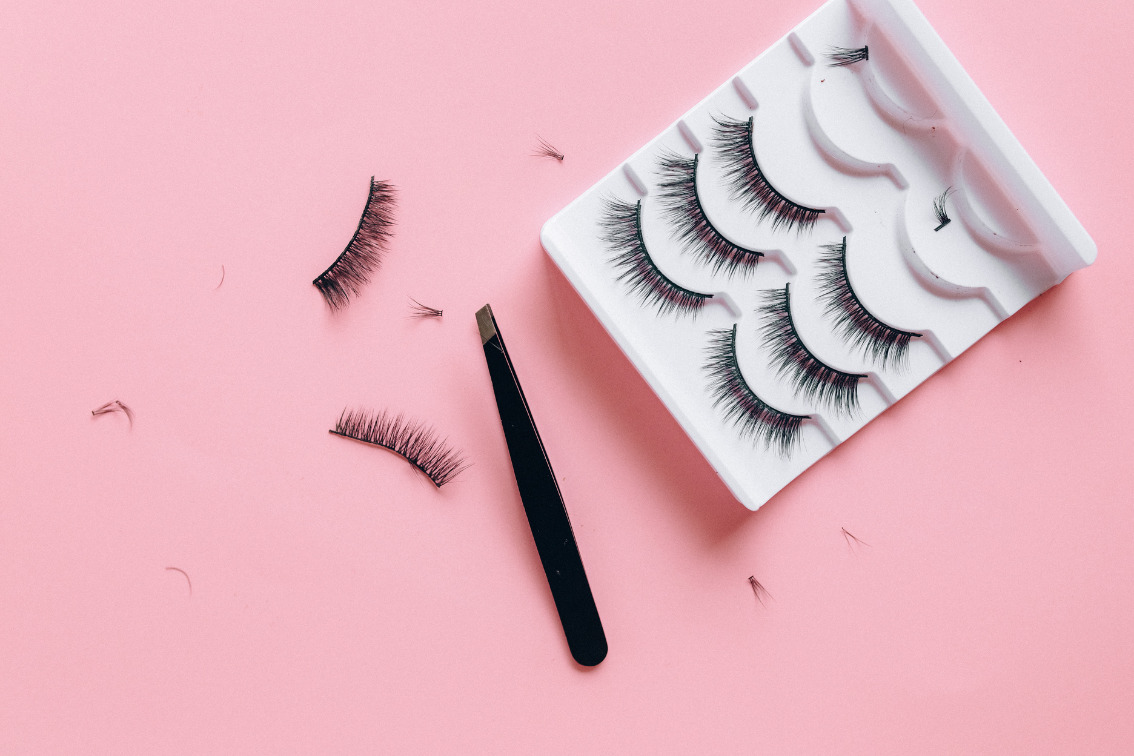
(622, 232)
(845, 56)
(364, 253)
(853, 322)
(748, 184)
(682, 207)
(415, 441)
(741, 406)
(939, 211)
(811, 378)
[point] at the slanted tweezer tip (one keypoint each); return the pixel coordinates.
(485, 323)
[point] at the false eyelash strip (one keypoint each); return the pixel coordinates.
(740, 404)
(414, 441)
(809, 377)
(853, 322)
(748, 184)
(939, 211)
(364, 253)
(691, 226)
(622, 232)
(845, 56)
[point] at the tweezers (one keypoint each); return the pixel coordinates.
(551, 528)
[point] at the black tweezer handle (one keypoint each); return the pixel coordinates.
(543, 503)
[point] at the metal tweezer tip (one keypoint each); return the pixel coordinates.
(486, 323)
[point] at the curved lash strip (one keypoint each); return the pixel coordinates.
(364, 253)
(845, 56)
(879, 342)
(622, 231)
(691, 226)
(814, 380)
(741, 406)
(748, 184)
(415, 441)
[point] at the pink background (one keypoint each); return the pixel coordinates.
(341, 604)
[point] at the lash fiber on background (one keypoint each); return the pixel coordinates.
(853, 322)
(415, 441)
(811, 378)
(741, 406)
(363, 254)
(691, 226)
(622, 231)
(747, 182)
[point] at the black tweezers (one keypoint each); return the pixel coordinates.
(551, 528)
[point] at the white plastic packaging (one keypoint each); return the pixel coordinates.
(873, 144)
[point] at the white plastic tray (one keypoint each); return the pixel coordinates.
(872, 144)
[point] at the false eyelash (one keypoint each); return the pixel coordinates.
(547, 149)
(415, 441)
(364, 253)
(742, 407)
(691, 226)
(845, 56)
(853, 322)
(418, 310)
(622, 232)
(747, 182)
(811, 378)
(939, 211)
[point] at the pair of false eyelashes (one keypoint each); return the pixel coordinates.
(418, 443)
(810, 378)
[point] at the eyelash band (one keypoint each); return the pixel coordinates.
(939, 209)
(363, 254)
(853, 322)
(691, 226)
(845, 56)
(748, 184)
(742, 408)
(622, 232)
(814, 380)
(415, 441)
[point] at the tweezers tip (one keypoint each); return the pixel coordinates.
(485, 323)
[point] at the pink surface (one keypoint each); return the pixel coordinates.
(341, 604)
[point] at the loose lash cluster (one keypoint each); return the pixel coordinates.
(809, 377)
(691, 226)
(364, 253)
(883, 345)
(845, 56)
(939, 210)
(739, 403)
(747, 182)
(547, 149)
(622, 231)
(416, 442)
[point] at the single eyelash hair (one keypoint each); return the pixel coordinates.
(364, 253)
(810, 378)
(748, 184)
(740, 405)
(622, 231)
(877, 341)
(691, 226)
(415, 441)
(939, 209)
(845, 56)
